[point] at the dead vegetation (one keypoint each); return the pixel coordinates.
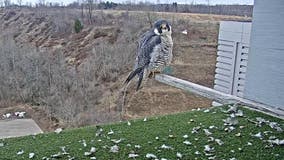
(76, 77)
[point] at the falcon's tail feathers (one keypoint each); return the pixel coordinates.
(134, 73)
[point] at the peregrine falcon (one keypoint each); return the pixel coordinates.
(154, 51)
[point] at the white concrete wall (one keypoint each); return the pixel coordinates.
(265, 72)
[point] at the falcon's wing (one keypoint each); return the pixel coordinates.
(145, 47)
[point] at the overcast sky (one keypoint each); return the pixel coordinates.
(212, 2)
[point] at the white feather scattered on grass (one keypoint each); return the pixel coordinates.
(232, 109)
(197, 153)
(64, 150)
(211, 139)
(145, 119)
(114, 149)
(276, 126)
(207, 148)
(171, 136)
(195, 129)
(229, 129)
(240, 113)
(238, 134)
(232, 115)
(166, 147)
(151, 156)
(207, 132)
(211, 127)
(258, 135)
(58, 155)
(87, 153)
(58, 130)
(99, 132)
(206, 110)
(92, 150)
(116, 141)
(31, 155)
(185, 136)
(137, 146)
(219, 142)
(71, 158)
(260, 120)
(230, 121)
(20, 152)
(276, 141)
(110, 132)
(84, 143)
(133, 155)
(93, 158)
(128, 123)
(157, 138)
(249, 144)
(187, 142)
(267, 132)
(179, 155)
(211, 158)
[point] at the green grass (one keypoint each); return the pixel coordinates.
(144, 133)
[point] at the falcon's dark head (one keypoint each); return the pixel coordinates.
(162, 27)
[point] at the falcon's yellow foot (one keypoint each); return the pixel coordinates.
(152, 74)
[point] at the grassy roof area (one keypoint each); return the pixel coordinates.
(215, 133)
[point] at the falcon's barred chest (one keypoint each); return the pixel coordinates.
(162, 55)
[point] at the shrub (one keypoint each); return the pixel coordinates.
(78, 26)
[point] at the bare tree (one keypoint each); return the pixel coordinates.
(19, 2)
(82, 9)
(90, 10)
(209, 8)
(1, 3)
(41, 3)
(7, 3)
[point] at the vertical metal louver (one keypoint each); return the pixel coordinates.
(232, 57)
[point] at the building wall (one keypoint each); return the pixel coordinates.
(265, 72)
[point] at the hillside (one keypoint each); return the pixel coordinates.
(75, 78)
(201, 134)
